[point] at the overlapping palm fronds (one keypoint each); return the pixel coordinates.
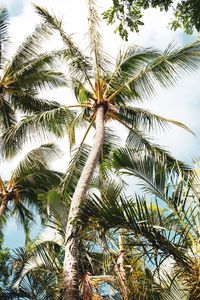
(149, 237)
(137, 74)
(26, 73)
(105, 93)
(31, 177)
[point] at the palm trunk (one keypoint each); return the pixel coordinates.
(119, 268)
(71, 264)
(3, 206)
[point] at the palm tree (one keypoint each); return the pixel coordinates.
(24, 74)
(104, 93)
(120, 238)
(99, 261)
(180, 194)
(31, 177)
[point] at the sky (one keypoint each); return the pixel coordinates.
(181, 102)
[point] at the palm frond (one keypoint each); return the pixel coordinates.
(145, 120)
(30, 47)
(146, 223)
(7, 114)
(95, 39)
(164, 70)
(140, 143)
(37, 67)
(30, 103)
(155, 170)
(74, 169)
(37, 159)
(34, 287)
(133, 59)
(42, 260)
(4, 35)
(37, 182)
(12, 294)
(41, 126)
(40, 80)
(79, 64)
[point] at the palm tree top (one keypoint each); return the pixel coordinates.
(26, 73)
(31, 177)
(134, 77)
(96, 82)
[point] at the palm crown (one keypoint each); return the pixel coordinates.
(136, 75)
(26, 73)
(31, 177)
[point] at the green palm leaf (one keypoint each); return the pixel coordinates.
(39, 70)
(37, 160)
(30, 47)
(37, 182)
(74, 169)
(4, 36)
(164, 70)
(145, 120)
(154, 169)
(7, 115)
(26, 73)
(79, 64)
(29, 103)
(41, 125)
(130, 61)
(145, 222)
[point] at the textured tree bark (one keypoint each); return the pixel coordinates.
(119, 267)
(71, 264)
(3, 206)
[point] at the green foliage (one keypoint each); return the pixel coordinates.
(42, 125)
(187, 16)
(150, 233)
(149, 236)
(128, 14)
(25, 74)
(75, 168)
(31, 177)
(4, 267)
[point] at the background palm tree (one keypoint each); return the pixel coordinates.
(103, 93)
(26, 73)
(31, 177)
(124, 242)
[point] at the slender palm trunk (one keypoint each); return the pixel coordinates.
(3, 206)
(119, 268)
(71, 265)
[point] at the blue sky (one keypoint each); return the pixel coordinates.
(15, 6)
(181, 103)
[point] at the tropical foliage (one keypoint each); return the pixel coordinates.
(130, 247)
(127, 15)
(25, 74)
(32, 176)
(105, 241)
(4, 266)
